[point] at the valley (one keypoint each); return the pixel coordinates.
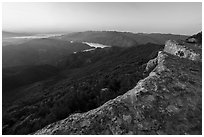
(101, 68)
(47, 79)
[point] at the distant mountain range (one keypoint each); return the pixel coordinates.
(6, 34)
(121, 39)
(8, 38)
(52, 50)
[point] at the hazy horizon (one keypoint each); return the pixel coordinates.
(138, 17)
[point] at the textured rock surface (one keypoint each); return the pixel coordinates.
(168, 101)
(183, 50)
(151, 65)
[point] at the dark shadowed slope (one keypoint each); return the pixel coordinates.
(88, 80)
(14, 77)
(38, 52)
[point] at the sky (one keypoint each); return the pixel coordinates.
(137, 17)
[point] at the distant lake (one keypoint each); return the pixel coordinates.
(96, 45)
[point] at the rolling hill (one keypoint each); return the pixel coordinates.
(6, 34)
(39, 52)
(120, 39)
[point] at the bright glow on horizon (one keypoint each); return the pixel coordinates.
(178, 18)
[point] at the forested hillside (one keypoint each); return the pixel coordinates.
(88, 80)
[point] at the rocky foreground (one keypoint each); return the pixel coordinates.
(168, 101)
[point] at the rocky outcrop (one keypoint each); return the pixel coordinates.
(183, 50)
(195, 39)
(151, 65)
(168, 101)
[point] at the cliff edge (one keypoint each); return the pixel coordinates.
(168, 101)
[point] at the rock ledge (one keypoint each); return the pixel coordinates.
(168, 101)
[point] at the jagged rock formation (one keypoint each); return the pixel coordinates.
(168, 101)
(151, 65)
(183, 50)
(195, 39)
